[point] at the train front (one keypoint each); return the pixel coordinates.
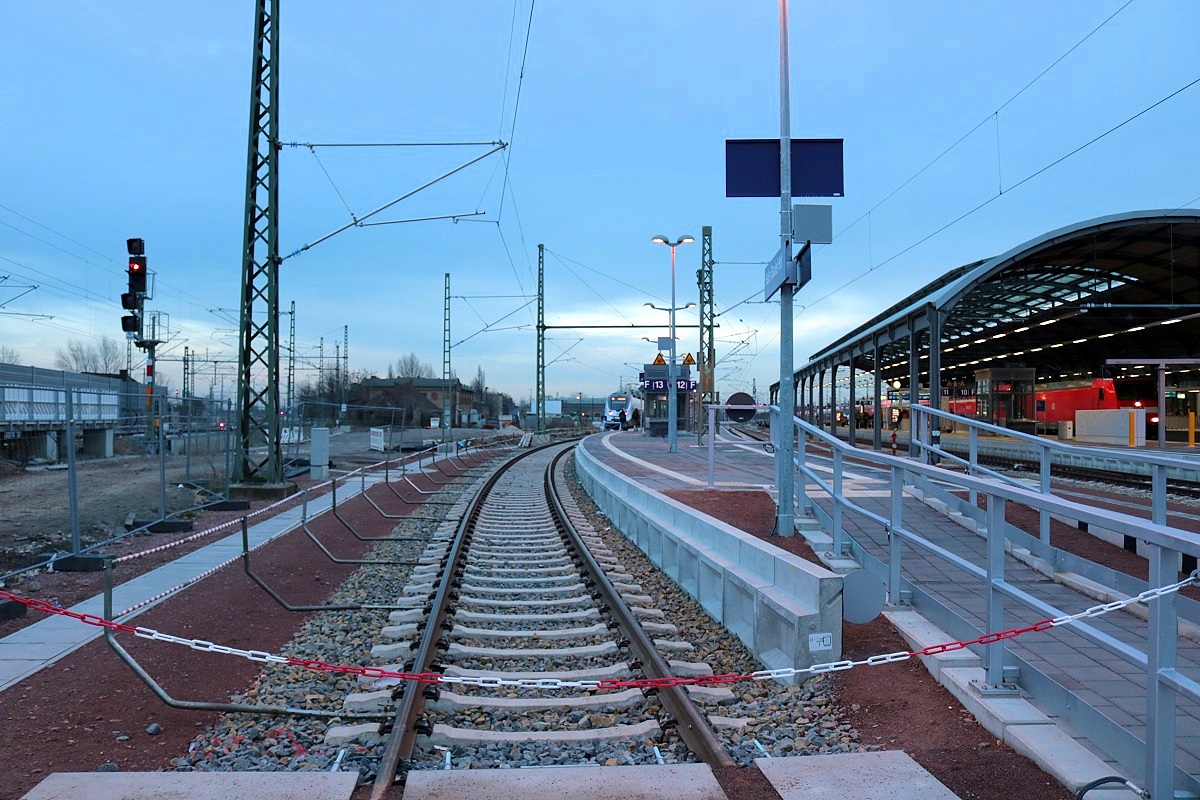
(616, 403)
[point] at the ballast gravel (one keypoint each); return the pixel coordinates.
(759, 717)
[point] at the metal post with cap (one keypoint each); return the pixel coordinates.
(672, 421)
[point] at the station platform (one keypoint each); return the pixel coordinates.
(1097, 686)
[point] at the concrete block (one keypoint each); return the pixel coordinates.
(688, 573)
(362, 702)
(727, 571)
(1072, 764)
(710, 588)
(677, 781)
(446, 736)
(887, 775)
(739, 609)
(367, 733)
(392, 652)
(307, 785)
(920, 633)
(994, 713)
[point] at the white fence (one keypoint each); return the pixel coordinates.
(32, 405)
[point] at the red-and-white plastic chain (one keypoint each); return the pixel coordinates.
(603, 683)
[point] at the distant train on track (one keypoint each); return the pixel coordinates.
(614, 405)
(1052, 405)
(1060, 405)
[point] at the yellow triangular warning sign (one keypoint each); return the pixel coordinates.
(689, 361)
(659, 361)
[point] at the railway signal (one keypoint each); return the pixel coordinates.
(133, 299)
(137, 275)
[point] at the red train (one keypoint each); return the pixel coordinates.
(1050, 405)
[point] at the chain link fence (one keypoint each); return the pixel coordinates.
(83, 465)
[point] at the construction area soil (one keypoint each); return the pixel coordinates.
(89, 711)
(35, 507)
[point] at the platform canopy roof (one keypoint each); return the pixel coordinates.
(1122, 286)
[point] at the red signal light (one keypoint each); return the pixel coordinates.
(137, 275)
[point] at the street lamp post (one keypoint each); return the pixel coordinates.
(671, 389)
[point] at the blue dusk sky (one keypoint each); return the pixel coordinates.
(969, 128)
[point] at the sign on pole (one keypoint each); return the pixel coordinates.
(787, 271)
(752, 168)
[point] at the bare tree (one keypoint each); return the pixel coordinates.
(411, 366)
(110, 355)
(75, 356)
(479, 384)
(9, 355)
(103, 355)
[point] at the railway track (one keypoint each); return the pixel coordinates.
(542, 637)
(535, 613)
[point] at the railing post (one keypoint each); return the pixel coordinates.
(1161, 651)
(839, 535)
(712, 446)
(1044, 485)
(801, 475)
(993, 658)
(972, 461)
(918, 433)
(895, 520)
(1158, 510)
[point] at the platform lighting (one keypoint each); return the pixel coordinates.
(672, 423)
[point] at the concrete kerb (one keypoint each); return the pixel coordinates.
(786, 610)
(1013, 720)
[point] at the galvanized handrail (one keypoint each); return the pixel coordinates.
(926, 445)
(1165, 684)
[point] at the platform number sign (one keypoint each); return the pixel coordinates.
(661, 384)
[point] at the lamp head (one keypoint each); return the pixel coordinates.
(660, 240)
(690, 305)
(686, 239)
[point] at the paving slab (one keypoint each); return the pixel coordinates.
(195, 786)
(885, 775)
(676, 781)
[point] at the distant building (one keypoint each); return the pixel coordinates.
(378, 401)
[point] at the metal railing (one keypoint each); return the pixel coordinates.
(926, 445)
(1165, 683)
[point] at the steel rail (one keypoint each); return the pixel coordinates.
(403, 735)
(692, 724)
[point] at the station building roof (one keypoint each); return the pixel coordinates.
(1121, 286)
